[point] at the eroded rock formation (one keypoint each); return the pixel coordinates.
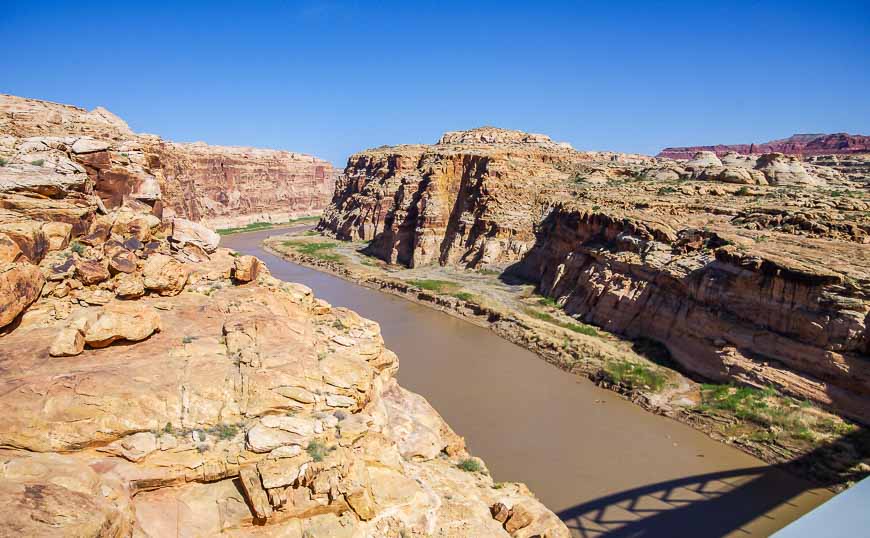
(154, 385)
(799, 144)
(751, 268)
(218, 185)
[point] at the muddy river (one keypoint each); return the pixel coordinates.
(606, 466)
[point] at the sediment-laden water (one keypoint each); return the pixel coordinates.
(606, 466)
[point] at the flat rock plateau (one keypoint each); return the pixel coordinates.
(156, 385)
(748, 270)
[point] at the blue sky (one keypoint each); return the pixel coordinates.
(331, 78)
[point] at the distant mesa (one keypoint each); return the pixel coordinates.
(497, 136)
(808, 144)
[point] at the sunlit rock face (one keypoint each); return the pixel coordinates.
(750, 268)
(218, 185)
(154, 384)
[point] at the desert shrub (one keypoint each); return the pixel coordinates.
(317, 450)
(470, 465)
(464, 296)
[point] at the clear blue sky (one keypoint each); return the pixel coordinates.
(331, 78)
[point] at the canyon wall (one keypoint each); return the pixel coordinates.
(752, 268)
(156, 385)
(218, 185)
(800, 144)
(726, 310)
(471, 199)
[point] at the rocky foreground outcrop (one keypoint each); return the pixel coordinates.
(156, 385)
(218, 185)
(749, 268)
(799, 144)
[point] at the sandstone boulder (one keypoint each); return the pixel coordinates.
(91, 272)
(246, 268)
(89, 145)
(68, 342)
(164, 275)
(57, 234)
(29, 237)
(9, 250)
(133, 447)
(122, 322)
(98, 232)
(185, 231)
(129, 286)
(785, 170)
(20, 284)
(703, 159)
(122, 260)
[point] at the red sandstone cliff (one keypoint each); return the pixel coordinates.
(799, 144)
(219, 185)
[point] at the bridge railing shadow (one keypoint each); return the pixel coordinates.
(708, 505)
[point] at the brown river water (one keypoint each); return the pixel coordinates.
(604, 465)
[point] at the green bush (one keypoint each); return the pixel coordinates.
(580, 328)
(317, 450)
(464, 296)
(77, 247)
(3, 162)
(224, 431)
(38, 162)
(548, 301)
(470, 465)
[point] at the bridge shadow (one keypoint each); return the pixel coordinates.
(709, 505)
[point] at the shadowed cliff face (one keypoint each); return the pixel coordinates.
(221, 186)
(749, 268)
(723, 313)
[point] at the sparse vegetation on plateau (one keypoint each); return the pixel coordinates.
(635, 375)
(261, 225)
(580, 328)
(321, 250)
(438, 286)
(781, 416)
(224, 431)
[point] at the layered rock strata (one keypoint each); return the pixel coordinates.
(156, 385)
(799, 144)
(748, 268)
(218, 185)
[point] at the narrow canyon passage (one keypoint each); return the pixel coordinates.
(606, 466)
